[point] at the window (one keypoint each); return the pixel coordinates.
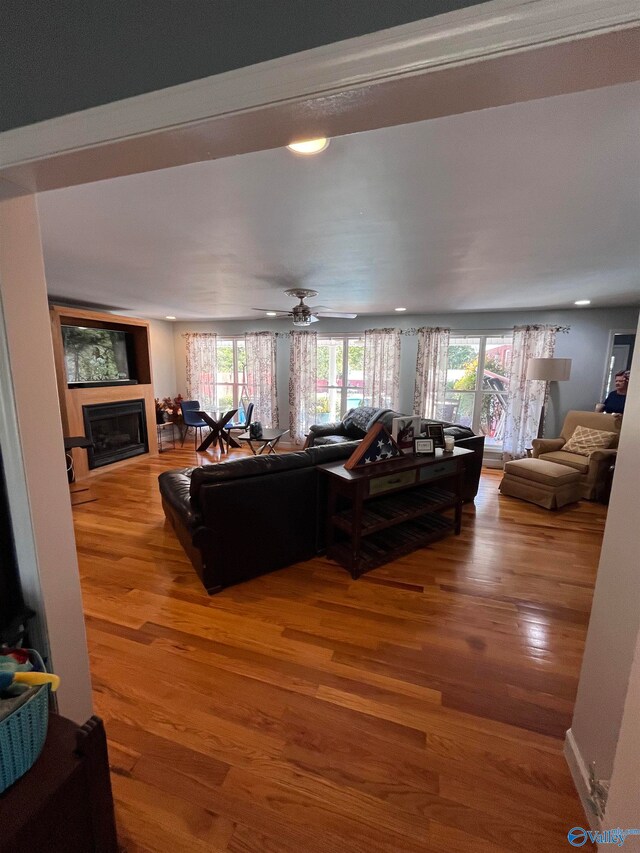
(477, 396)
(339, 385)
(231, 376)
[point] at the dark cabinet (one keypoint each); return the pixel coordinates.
(63, 804)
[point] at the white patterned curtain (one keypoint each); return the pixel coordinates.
(260, 348)
(382, 368)
(202, 368)
(303, 373)
(431, 372)
(526, 396)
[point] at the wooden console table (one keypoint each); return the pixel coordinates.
(63, 804)
(377, 513)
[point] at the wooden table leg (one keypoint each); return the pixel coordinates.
(213, 435)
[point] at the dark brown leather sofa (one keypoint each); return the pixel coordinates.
(240, 519)
(246, 517)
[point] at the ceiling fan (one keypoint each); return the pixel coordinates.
(303, 314)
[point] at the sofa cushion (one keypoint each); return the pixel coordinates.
(325, 440)
(458, 431)
(541, 471)
(571, 460)
(321, 454)
(585, 440)
(253, 466)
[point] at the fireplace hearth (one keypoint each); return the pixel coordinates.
(118, 431)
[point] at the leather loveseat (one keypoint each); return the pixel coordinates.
(246, 517)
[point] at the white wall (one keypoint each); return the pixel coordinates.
(614, 626)
(163, 358)
(586, 344)
(34, 457)
(623, 805)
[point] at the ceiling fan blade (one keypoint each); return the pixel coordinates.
(337, 314)
(279, 312)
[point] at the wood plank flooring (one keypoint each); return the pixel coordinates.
(419, 709)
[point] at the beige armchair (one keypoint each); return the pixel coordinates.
(593, 468)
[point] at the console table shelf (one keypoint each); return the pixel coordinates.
(401, 506)
(381, 512)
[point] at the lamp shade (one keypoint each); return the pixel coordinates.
(549, 369)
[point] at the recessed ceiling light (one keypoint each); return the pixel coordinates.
(399, 309)
(309, 146)
(582, 302)
(271, 313)
(169, 317)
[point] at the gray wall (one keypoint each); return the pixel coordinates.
(59, 56)
(586, 344)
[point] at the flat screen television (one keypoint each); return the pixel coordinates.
(97, 356)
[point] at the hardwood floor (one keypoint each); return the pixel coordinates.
(420, 708)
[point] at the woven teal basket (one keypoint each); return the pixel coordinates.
(23, 733)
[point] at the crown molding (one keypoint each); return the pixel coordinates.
(469, 35)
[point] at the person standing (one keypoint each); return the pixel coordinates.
(614, 403)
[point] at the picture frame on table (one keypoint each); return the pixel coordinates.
(424, 447)
(436, 432)
(404, 430)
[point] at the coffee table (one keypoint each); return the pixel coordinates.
(268, 439)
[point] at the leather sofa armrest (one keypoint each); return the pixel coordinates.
(546, 445)
(317, 430)
(328, 429)
(174, 488)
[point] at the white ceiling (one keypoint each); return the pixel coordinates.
(525, 206)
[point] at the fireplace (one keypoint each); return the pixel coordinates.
(117, 430)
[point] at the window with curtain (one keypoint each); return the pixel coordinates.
(231, 390)
(477, 383)
(431, 372)
(202, 368)
(261, 376)
(382, 368)
(525, 396)
(303, 370)
(340, 377)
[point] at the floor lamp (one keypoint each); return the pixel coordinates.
(548, 370)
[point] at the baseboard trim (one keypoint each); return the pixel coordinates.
(580, 774)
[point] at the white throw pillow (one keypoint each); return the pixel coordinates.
(584, 440)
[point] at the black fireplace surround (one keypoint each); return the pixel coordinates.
(118, 431)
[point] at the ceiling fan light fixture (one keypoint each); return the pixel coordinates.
(309, 146)
(302, 320)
